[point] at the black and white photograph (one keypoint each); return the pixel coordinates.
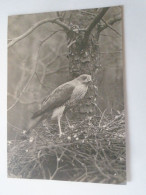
(65, 105)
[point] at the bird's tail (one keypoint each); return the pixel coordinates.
(41, 112)
(36, 114)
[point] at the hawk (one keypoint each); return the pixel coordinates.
(64, 97)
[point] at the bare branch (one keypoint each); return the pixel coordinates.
(100, 170)
(95, 21)
(110, 22)
(71, 44)
(30, 30)
(57, 164)
(108, 25)
(34, 70)
(16, 128)
(89, 13)
(40, 81)
(62, 24)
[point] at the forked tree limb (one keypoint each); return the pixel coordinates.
(110, 22)
(33, 72)
(94, 22)
(88, 30)
(110, 26)
(30, 30)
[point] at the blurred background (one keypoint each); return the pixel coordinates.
(43, 60)
(44, 51)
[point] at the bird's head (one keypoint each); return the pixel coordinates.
(84, 78)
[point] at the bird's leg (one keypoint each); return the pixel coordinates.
(70, 126)
(60, 132)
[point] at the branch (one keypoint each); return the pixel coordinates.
(57, 164)
(110, 22)
(40, 81)
(34, 70)
(89, 13)
(108, 25)
(63, 25)
(100, 170)
(95, 21)
(71, 44)
(29, 31)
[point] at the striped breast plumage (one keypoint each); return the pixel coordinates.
(78, 94)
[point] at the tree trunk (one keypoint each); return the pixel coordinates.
(84, 59)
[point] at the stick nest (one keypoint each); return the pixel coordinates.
(94, 150)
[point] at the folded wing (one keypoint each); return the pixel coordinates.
(56, 99)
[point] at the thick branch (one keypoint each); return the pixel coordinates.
(95, 21)
(30, 30)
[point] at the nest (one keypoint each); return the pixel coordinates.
(94, 150)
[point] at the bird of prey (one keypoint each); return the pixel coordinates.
(64, 97)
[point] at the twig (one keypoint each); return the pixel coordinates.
(30, 30)
(18, 129)
(102, 116)
(71, 44)
(57, 165)
(100, 171)
(89, 13)
(100, 158)
(108, 25)
(34, 70)
(110, 22)
(40, 81)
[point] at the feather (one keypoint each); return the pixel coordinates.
(56, 99)
(64, 96)
(78, 93)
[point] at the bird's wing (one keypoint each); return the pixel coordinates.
(56, 99)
